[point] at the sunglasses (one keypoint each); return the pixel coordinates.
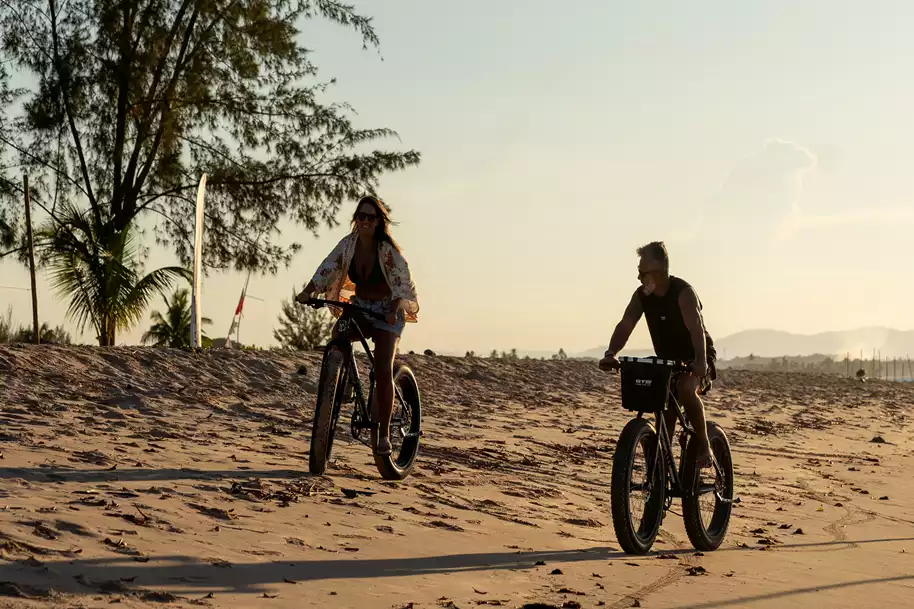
(363, 217)
(643, 274)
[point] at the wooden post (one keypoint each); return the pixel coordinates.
(28, 231)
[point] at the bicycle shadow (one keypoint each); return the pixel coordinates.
(63, 474)
(184, 575)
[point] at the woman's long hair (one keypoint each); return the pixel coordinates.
(382, 230)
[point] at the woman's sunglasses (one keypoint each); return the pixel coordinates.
(363, 217)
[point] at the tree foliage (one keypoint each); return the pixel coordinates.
(135, 99)
(302, 328)
(172, 329)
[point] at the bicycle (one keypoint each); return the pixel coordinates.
(648, 385)
(339, 382)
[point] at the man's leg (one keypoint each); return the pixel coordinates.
(687, 389)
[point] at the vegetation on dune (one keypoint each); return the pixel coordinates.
(302, 328)
(172, 328)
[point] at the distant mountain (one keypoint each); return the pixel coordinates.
(597, 353)
(772, 343)
(775, 343)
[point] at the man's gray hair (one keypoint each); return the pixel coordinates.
(656, 251)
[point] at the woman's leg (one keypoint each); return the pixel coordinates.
(385, 348)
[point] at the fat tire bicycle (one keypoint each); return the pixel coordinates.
(648, 385)
(340, 382)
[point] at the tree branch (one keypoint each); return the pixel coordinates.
(63, 75)
(43, 163)
(162, 109)
(146, 125)
(123, 84)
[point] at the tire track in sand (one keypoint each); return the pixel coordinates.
(672, 576)
(836, 528)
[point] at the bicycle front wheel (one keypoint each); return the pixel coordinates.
(327, 394)
(638, 487)
(405, 427)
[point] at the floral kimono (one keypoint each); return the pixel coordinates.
(332, 276)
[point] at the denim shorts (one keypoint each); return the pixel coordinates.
(381, 307)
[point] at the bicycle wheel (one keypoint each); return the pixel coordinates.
(343, 391)
(405, 425)
(637, 527)
(706, 516)
(322, 427)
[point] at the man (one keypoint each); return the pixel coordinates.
(673, 314)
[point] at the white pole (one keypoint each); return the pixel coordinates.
(195, 330)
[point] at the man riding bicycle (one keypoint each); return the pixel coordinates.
(673, 313)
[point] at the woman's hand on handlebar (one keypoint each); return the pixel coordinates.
(303, 298)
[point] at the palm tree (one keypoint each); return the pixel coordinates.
(173, 328)
(97, 269)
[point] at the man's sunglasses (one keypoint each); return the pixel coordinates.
(643, 274)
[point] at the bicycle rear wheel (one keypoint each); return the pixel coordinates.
(327, 395)
(634, 470)
(405, 426)
(705, 516)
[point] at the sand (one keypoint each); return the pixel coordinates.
(150, 478)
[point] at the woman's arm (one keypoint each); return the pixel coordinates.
(326, 272)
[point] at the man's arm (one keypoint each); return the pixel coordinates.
(691, 315)
(624, 328)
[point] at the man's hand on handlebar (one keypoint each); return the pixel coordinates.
(609, 362)
(698, 368)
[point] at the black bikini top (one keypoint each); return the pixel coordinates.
(376, 276)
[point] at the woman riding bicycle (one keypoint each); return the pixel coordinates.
(368, 270)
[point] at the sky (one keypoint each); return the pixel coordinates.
(768, 143)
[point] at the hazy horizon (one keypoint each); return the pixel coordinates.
(767, 143)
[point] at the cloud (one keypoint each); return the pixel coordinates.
(761, 201)
(758, 194)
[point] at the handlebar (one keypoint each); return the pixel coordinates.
(317, 303)
(675, 365)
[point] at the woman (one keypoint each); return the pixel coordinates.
(368, 270)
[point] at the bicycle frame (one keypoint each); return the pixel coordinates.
(664, 446)
(350, 370)
(344, 342)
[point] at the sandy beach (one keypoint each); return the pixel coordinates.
(144, 477)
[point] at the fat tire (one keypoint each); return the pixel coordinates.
(632, 540)
(398, 467)
(707, 539)
(327, 394)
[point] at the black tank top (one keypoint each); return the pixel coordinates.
(669, 334)
(375, 276)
